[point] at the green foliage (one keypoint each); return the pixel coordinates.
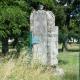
(14, 18)
(60, 16)
(47, 3)
(11, 20)
(74, 29)
(63, 35)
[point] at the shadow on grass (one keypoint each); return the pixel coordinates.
(9, 55)
(62, 62)
(71, 76)
(70, 50)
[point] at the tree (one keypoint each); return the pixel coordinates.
(13, 20)
(73, 18)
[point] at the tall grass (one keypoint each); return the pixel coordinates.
(22, 69)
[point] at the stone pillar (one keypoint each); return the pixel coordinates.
(52, 39)
(44, 37)
(38, 21)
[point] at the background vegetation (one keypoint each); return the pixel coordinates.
(14, 21)
(20, 69)
(15, 25)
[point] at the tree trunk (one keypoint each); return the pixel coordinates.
(5, 46)
(15, 42)
(64, 46)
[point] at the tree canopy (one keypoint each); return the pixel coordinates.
(14, 17)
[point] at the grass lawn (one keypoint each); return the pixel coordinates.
(18, 69)
(69, 61)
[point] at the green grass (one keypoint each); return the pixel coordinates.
(19, 69)
(69, 61)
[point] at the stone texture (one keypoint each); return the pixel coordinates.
(44, 37)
